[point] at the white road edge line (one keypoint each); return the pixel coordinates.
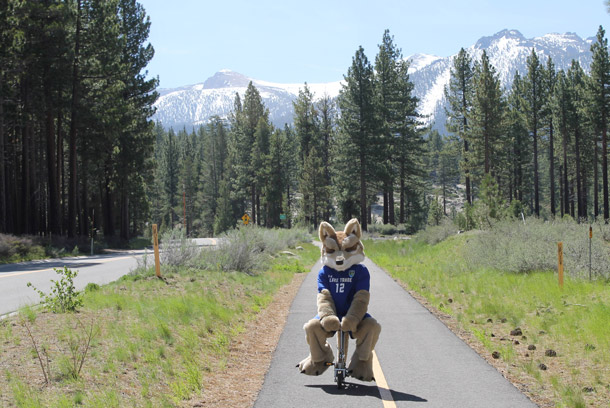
(382, 385)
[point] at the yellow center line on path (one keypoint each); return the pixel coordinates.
(382, 385)
(11, 274)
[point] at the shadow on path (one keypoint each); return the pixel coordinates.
(365, 390)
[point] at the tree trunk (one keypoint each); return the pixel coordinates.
(605, 170)
(84, 206)
(253, 198)
(53, 213)
(578, 173)
(72, 186)
(561, 192)
(3, 200)
(125, 214)
(596, 179)
(60, 173)
(391, 204)
(552, 168)
(25, 207)
(566, 187)
(385, 206)
(363, 209)
(467, 172)
(108, 213)
(402, 193)
(536, 175)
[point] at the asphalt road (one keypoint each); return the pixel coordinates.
(424, 364)
(100, 269)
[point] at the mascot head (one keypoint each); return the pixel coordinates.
(341, 249)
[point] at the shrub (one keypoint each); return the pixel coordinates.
(434, 234)
(246, 249)
(63, 297)
(176, 249)
(517, 247)
(386, 229)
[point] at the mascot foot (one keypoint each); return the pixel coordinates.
(361, 369)
(309, 367)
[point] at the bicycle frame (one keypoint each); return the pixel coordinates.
(340, 365)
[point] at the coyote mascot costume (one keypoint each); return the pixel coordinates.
(343, 299)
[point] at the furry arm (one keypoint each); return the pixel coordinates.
(327, 311)
(356, 311)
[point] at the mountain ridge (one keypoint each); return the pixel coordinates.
(193, 105)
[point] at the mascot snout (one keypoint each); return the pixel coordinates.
(339, 260)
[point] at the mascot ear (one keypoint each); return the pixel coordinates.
(326, 230)
(353, 227)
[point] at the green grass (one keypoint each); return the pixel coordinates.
(573, 320)
(158, 339)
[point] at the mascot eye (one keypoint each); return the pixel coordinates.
(352, 249)
(330, 251)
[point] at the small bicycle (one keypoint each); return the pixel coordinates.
(340, 363)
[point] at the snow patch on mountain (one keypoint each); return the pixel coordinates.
(420, 61)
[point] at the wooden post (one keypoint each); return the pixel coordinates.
(590, 238)
(560, 263)
(156, 246)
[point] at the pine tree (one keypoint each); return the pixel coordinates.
(409, 143)
(562, 101)
(518, 135)
(358, 122)
(307, 130)
(534, 98)
(327, 120)
(600, 91)
(387, 106)
(459, 96)
(487, 119)
(576, 78)
(550, 79)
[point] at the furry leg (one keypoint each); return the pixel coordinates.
(361, 365)
(320, 351)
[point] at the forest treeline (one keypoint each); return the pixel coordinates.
(325, 166)
(78, 149)
(543, 144)
(75, 105)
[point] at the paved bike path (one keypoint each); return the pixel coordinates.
(424, 363)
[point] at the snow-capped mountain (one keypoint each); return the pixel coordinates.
(194, 105)
(507, 50)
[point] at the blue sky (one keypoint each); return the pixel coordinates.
(314, 41)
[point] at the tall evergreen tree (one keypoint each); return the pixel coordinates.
(487, 118)
(409, 143)
(550, 79)
(534, 98)
(459, 95)
(358, 122)
(600, 91)
(387, 103)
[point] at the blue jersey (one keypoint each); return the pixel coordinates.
(343, 285)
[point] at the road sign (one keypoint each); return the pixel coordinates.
(282, 216)
(246, 219)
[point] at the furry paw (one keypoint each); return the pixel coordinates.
(310, 368)
(349, 324)
(330, 323)
(361, 369)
